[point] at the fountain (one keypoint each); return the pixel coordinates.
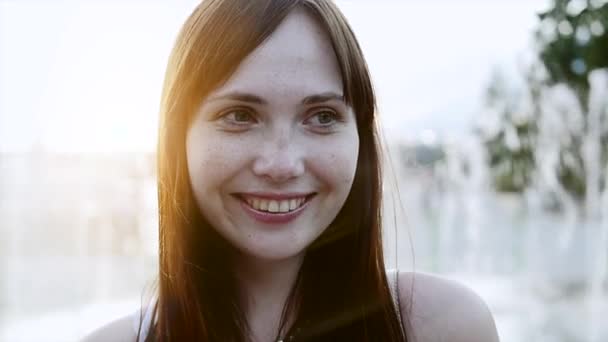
(540, 257)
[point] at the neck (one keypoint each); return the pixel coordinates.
(265, 286)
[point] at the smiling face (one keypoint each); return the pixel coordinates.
(272, 153)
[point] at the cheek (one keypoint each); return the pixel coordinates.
(337, 163)
(212, 160)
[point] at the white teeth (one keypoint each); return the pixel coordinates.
(293, 203)
(284, 206)
(275, 206)
(263, 205)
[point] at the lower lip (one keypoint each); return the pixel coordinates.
(275, 218)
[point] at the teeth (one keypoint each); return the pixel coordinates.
(263, 205)
(275, 206)
(284, 206)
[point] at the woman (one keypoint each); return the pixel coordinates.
(269, 192)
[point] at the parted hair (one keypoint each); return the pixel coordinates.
(341, 292)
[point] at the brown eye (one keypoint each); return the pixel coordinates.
(325, 117)
(239, 116)
(236, 119)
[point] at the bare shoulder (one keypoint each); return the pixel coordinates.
(119, 330)
(444, 310)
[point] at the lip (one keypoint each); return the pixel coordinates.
(274, 218)
(275, 196)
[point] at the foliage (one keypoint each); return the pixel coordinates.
(572, 41)
(510, 146)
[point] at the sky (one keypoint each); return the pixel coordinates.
(85, 76)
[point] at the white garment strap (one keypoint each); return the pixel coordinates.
(145, 315)
(391, 277)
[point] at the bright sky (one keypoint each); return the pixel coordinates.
(85, 76)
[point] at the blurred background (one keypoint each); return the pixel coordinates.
(495, 117)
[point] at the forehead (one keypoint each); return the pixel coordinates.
(297, 59)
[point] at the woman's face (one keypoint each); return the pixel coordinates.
(272, 153)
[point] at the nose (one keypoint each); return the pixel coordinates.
(280, 159)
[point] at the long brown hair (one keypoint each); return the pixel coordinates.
(341, 293)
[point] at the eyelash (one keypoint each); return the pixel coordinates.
(223, 116)
(336, 116)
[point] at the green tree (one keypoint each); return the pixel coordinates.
(572, 41)
(510, 144)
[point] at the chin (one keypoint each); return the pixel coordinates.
(273, 253)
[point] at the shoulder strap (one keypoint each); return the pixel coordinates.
(393, 284)
(144, 315)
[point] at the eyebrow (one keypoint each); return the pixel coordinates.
(251, 98)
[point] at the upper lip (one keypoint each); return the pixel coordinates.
(274, 195)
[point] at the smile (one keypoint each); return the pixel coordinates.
(278, 204)
(272, 208)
